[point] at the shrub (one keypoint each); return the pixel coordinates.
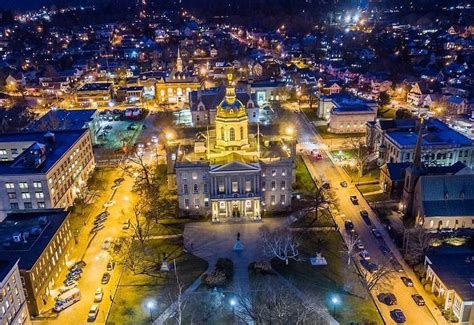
(214, 279)
(261, 267)
(225, 266)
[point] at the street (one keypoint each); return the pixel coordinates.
(335, 175)
(89, 249)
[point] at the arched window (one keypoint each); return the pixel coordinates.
(241, 132)
(232, 134)
(222, 133)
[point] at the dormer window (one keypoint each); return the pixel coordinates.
(461, 195)
(446, 196)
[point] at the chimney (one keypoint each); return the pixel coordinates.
(49, 138)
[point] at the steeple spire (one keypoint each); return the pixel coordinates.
(417, 157)
(179, 62)
(230, 89)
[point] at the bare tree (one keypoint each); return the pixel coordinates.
(350, 246)
(280, 243)
(137, 168)
(181, 299)
(274, 303)
(418, 242)
(379, 276)
(362, 153)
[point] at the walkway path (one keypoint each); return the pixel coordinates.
(211, 242)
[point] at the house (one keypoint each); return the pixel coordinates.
(451, 274)
(457, 105)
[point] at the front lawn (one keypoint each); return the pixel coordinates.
(325, 134)
(135, 290)
(324, 219)
(337, 278)
(304, 181)
(368, 188)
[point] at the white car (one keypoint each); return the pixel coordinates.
(107, 243)
(360, 245)
(364, 255)
(92, 315)
(99, 294)
(63, 289)
(109, 203)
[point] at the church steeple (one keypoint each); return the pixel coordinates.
(179, 62)
(417, 154)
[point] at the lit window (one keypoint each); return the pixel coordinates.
(9, 185)
(25, 195)
(23, 185)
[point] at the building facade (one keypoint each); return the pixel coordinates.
(94, 94)
(40, 240)
(395, 140)
(231, 178)
(46, 170)
(13, 308)
(341, 103)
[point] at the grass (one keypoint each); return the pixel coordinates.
(310, 113)
(337, 278)
(304, 180)
(323, 132)
(377, 197)
(324, 220)
(367, 188)
(136, 289)
(369, 175)
(386, 113)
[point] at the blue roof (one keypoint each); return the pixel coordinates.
(436, 133)
(64, 140)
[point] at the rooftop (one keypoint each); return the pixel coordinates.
(5, 267)
(96, 86)
(435, 133)
(455, 269)
(32, 231)
(26, 162)
(63, 119)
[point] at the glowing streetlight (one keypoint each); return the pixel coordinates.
(151, 305)
(233, 302)
(335, 301)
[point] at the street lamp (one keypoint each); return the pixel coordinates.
(150, 305)
(233, 303)
(335, 302)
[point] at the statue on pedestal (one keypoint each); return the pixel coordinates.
(238, 245)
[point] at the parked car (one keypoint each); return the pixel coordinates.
(107, 243)
(384, 249)
(418, 299)
(93, 311)
(369, 266)
(316, 154)
(126, 224)
(326, 185)
(343, 184)
(80, 264)
(387, 298)
(70, 282)
(105, 278)
(354, 199)
(119, 180)
(110, 265)
(74, 277)
(376, 232)
(65, 288)
(360, 245)
(364, 255)
(96, 228)
(407, 281)
(99, 294)
(365, 216)
(109, 203)
(398, 316)
(349, 225)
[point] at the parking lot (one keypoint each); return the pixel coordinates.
(116, 134)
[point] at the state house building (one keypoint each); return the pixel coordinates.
(229, 173)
